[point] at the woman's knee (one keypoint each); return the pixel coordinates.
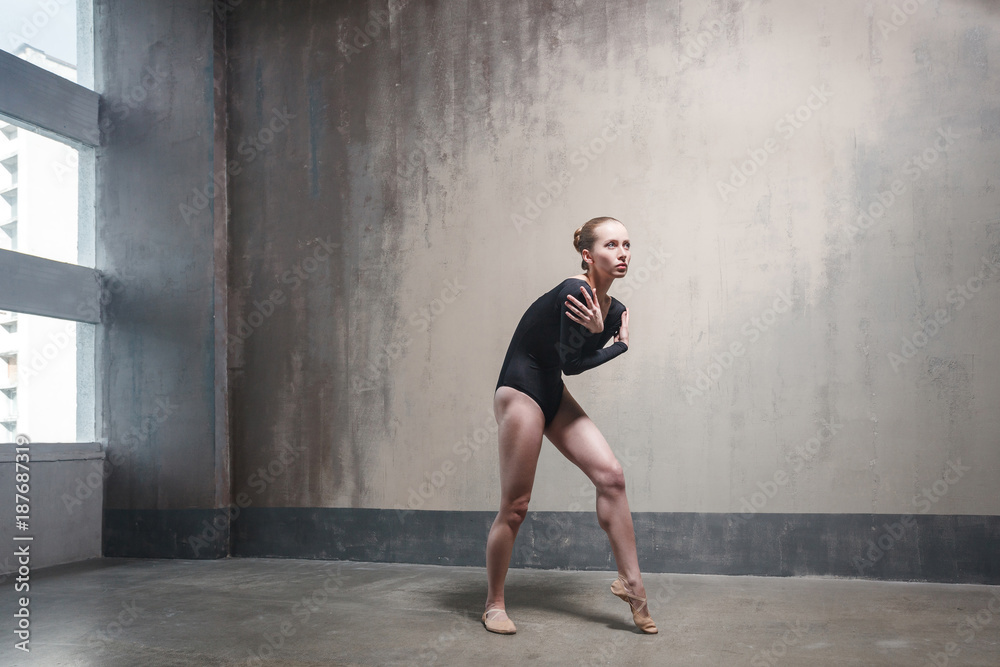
(610, 478)
(514, 511)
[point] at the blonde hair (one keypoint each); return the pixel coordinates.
(584, 237)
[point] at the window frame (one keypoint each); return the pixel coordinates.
(43, 102)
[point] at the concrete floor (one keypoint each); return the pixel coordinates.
(296, 612)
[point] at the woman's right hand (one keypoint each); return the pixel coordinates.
(589, 314)
(623, 329)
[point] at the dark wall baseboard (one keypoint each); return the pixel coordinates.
(921, 547)
(189, 533)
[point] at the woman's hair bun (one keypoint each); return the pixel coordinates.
(585, 237)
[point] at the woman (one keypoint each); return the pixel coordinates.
(564, 330)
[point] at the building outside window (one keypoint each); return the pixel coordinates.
(46, 363)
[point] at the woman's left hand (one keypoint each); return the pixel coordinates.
(588, 315)
(623, 329)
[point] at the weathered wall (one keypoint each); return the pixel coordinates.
(431, 154)
(64, 508)
(159, 350)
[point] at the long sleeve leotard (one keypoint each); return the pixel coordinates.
(547, 343)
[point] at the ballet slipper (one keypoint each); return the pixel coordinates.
(496, 620)
(643, 621)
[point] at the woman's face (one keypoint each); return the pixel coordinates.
(612, 251)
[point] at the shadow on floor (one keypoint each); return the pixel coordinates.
(560, 600)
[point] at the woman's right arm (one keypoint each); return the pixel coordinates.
(572, 335)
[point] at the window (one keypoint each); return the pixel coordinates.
(46, 378)
(43, 32)
(39, 197)
(50, 294)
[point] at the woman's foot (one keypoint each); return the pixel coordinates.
(496, 620)
(640, 612)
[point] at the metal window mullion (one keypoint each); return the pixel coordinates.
(46, 102)
(40, 286)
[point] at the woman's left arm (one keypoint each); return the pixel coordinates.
(622, 335)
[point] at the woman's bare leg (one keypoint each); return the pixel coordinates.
(578, 438)
(520, 423)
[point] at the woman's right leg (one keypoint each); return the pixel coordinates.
(521, 423)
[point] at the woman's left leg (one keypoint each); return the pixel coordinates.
(578, 438)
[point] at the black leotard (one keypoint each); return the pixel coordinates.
(547, 343)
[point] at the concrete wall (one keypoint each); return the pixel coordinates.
(65, 486)
(425, 149)
(404, 181)
(159, 351)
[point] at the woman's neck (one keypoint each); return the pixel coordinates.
(600, 287)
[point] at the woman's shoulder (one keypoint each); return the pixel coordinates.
(571, 282)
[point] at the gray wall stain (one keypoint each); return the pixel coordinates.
(157, 343)
(414, 151)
